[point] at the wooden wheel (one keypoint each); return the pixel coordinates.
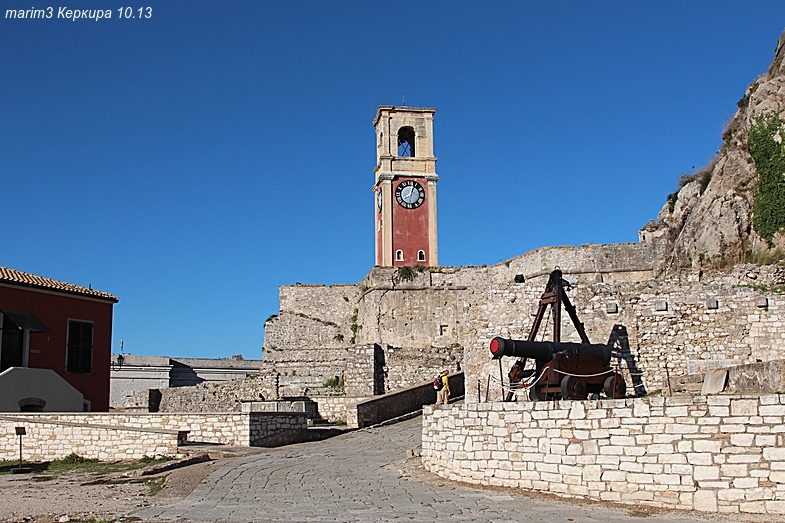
(573, 388)
(615, 387)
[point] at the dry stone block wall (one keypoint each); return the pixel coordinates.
(714, 454)
(338, 408)
(48, 439)
(109, 436)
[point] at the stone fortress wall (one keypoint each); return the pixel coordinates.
(386, 334)
(675, 324)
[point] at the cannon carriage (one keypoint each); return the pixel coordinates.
(561, 370)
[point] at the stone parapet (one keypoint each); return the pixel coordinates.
(50, 439)
(339, 408)
(713, 454)
(109, 436)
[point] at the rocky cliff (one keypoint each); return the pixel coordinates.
(733, 210)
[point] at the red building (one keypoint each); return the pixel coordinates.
(49, 324)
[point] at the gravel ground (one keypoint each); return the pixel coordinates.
(80, 496)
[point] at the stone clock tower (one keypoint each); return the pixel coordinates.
(405, 188)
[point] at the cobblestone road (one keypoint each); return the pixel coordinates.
(363, 476)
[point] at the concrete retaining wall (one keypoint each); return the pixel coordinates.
(713, 454)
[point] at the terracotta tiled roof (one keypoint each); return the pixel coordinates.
(25, 279)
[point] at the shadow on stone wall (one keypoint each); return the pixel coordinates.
(620, 341)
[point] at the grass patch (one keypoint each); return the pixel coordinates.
(155, 484)
(74, 462)
(774, 289)
(765, 258)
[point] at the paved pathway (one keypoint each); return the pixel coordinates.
(363, 476)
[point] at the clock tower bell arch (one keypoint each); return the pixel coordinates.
(405, 187)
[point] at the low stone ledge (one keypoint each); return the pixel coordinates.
(122, 435)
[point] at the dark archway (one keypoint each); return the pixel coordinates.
(31, 405)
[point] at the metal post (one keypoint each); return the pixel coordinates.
(20, 431)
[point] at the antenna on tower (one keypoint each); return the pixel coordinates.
(403, 99)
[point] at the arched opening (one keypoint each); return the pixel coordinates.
(406, 141)
(31, 405)
(421, 256)
(399, 255)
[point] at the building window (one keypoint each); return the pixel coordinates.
(406, 141)
(399, 255)
(79, 354)
(11, 344)
(421, 256)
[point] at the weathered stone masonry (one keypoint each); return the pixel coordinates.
(445, 317)
(110, 436)
(684, 324)
(715, 454)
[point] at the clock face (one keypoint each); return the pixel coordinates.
(379, 199)
(409, 194)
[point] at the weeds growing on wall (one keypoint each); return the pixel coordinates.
(702, 176)
(409, 272)
(354, 327)
(335, 382)
(767, 149)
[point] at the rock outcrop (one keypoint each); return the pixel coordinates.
(710, 219)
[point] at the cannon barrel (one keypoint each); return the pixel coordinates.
(545, 350)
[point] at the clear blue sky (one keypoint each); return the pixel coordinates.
(192, 162)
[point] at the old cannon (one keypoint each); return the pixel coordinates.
(565, 370)
(561, 370)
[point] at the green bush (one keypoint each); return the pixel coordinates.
(765, 143)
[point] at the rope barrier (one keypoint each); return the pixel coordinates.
(523, 385)
(584, 375)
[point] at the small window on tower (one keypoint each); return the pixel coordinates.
(406, 141)
(421, 256)
(399, 255)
